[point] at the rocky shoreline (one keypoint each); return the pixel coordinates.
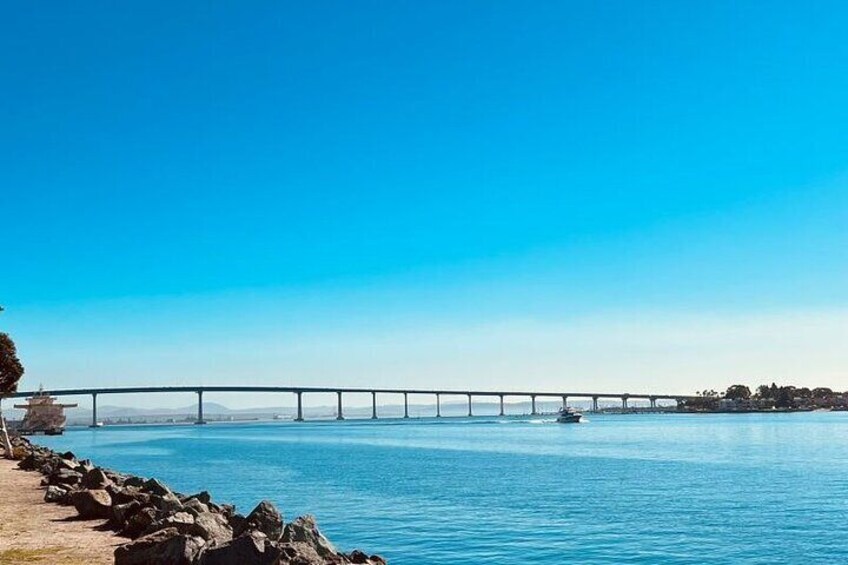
(170, 528)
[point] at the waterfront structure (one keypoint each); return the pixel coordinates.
(339, 392)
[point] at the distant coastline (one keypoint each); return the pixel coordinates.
(771, 398)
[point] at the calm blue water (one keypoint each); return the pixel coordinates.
(758, 488)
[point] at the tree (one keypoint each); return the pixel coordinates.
(11, 371)
(738, 392)
(704, 400)
(822, 392)
(764, 392)
(785, 397)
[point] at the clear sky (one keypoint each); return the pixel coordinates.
(610, 195)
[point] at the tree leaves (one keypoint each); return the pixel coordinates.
(11, 369)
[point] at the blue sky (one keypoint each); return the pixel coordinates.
(453, 193)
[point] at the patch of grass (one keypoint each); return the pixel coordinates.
(16, 556)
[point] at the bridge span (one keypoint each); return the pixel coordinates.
(339, 391)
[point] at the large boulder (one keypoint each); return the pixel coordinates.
(115, 477)
(125, 494)
(139, 522)
(167, 504)
(55, 494)
(165, 547)
(181, 521)
(253, 548)
(212, 527)
(133, 481)
(121, 513)
(61, 463)
(84, 467)
(201, 496)
(304, 554)
(359, 558)
(194, 506)
(92, 504)
(96, 479)
(31, 462)
(264, 518)
(154, 486)
(305, 531)
(64, 477)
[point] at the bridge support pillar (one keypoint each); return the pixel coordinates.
(438, 405)
(653, 403)
(564, 401)
(502, 405)
(200, 419)
(373, 405)
(93, 410)
(469, 406)
(406, 405)
(624, 404)
(594, 404)
(533, 405)
(339, 415)
(299, 407)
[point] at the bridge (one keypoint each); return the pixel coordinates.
(300, 391)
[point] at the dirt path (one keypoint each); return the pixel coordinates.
(32, 531)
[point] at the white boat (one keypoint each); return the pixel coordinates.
(569, 416)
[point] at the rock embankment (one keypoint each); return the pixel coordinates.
(170, 528)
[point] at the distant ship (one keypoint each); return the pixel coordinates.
(569, 416)
(43, 415)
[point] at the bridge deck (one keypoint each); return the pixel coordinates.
(345, 390)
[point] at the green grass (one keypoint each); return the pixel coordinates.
(13, 556)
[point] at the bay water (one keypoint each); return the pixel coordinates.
(637, 488)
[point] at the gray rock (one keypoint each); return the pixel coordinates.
(125, 494)
(83, 467)
(64, 477)
(181, 521)
(121, 513)
(117, 478)
(133, 481)
(195, 506)
(62, 463)
(253, 548)
(357, 557)
(96, 479)
(236, 521)
(201, 496)
(31, 462)
(153, 486)
(166, 504)
(165, 547)
(55, 494)
(304, 554)
(264, 518)
(304, 530)
(213, 528)
(139, 522)
(92, 504)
